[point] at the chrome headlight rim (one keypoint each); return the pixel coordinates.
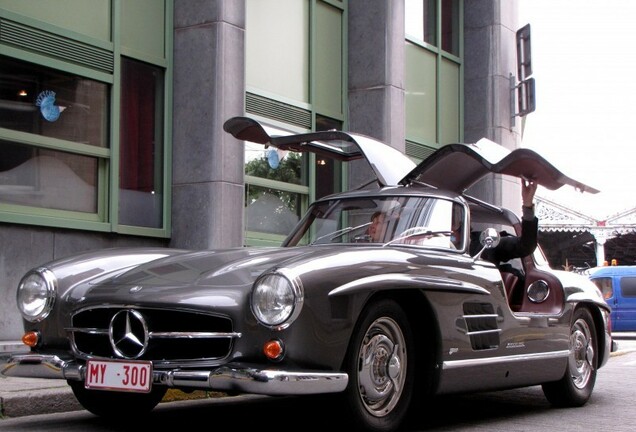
(47, 297)
(285, 312)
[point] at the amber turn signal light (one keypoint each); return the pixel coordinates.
(31, 338)
(273, 350)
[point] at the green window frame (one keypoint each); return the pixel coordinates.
(304, 90)
(38, 37)
(434, 80)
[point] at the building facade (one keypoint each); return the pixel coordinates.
(111, 113)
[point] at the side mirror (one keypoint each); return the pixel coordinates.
(488, 238)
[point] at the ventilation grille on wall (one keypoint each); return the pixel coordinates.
(418, 151)
(52, 45)
(277, 110)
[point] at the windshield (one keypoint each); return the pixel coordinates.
(422, 221)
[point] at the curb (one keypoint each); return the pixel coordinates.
(47, 396)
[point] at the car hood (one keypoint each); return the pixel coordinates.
(224, 267)
(194, 278)
(191, 278)
(468, 162)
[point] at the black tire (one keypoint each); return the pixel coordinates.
(107, 403)
(575, 388)
(380, 362)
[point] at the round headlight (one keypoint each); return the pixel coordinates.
(36, 294)
(275, 300)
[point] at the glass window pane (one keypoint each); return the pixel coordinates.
(141, 145)
(421, 19)
(449, 102)
(628, 286)
(408, 220)
(421, 94)
(277, 47)
(43, 101)
(328, 67)
(271, 211)
(271, 163)
(605, 285)
(47, 178)
(450, 26)
(328, 171)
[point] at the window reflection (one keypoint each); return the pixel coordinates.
(271, 211)
(43, 101)
(418, 221)
(47, 178)
(272, 203)
(328, 171)
(141, 145)
(421, 22)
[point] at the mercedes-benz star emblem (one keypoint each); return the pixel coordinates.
(128, 334)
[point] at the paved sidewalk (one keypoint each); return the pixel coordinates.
(29, 396)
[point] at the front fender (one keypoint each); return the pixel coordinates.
(388, 282)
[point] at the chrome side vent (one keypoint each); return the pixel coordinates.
(481, 325)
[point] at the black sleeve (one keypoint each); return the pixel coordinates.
(516, 247)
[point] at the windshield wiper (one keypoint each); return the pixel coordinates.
(339, 233)
(418, 232)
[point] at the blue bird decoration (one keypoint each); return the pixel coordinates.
(275, 157)
(272, 158)
(46, 102)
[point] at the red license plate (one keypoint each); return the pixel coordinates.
(119, 375)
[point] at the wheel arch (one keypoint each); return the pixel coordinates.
(600, 318)
(426, 331)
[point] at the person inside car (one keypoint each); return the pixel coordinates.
(511, 246)
(376, 230)
(506, 255)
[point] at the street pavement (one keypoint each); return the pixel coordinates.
(30, 396)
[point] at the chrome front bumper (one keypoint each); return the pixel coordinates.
(235, 377)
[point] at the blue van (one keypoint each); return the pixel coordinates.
(618, 285)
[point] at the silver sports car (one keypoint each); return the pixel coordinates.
(374, 298)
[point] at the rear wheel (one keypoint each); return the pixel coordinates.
(106, 403)
(381, 367)
(575, 388)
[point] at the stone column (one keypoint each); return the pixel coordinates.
(209, 88)
(376, 75)
(489, 58)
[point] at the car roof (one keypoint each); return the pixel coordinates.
(468, 162)
(622, 270)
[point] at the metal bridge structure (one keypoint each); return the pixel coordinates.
(575, 241)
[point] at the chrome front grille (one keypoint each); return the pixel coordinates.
(167, 336)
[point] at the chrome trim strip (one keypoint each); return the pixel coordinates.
(454, 364)
(480, 316)
(239, 377)
(195, 335)
(165, 335)
(480, 332)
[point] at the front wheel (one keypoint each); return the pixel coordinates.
(575, 388)
(381, 366)
(106, 403)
